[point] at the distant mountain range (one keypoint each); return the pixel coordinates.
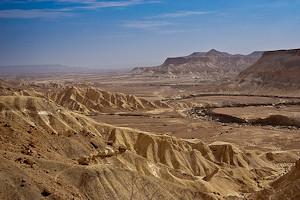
(37, 69)
(211, 64)
(49, 69)
(274, 68)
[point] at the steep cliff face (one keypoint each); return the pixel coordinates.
(274, 68)
(203, 64)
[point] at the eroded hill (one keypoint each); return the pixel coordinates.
(86, 100)
(90, 99)
(50, 151)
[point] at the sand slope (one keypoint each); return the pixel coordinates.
(286, 187)
(95, 100)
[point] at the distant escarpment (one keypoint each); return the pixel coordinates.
(203, 65)
(274, 69)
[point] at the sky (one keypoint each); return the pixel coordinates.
(133, 33)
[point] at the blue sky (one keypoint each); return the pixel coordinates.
(130, 33)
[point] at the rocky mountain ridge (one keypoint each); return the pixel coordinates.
(212, 64)
(274, 69)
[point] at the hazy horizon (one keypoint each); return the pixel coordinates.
(114, 67)
(132, 33)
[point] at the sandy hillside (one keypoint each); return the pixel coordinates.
(86, 100)
(49, 151)
(286, 187)
(95, 100)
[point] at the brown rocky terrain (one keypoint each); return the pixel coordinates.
(86, 100)
(275, 69)
(286, 187)
(203, 65)
(90, 100)
(49, 151)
